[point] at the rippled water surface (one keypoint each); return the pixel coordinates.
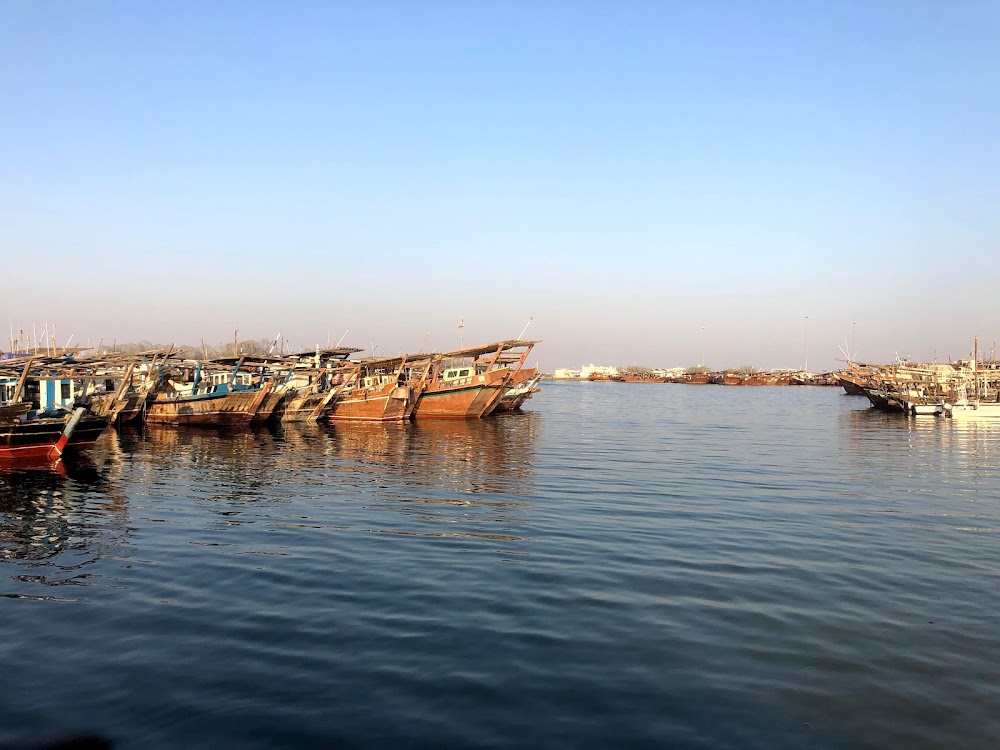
(623, 565)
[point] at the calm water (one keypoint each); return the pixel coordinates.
(625, 565)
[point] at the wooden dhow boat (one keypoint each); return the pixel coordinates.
(28, 431)
(128, 386)
(380, 390)
(468, 383)
(213, 399)
(310, 384)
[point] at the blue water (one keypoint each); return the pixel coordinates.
(622, 565)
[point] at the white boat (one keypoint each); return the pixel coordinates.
(975, 407)
(966, 409)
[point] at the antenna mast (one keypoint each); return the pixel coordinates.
(521, 335)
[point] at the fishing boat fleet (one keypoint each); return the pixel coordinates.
(967, 389)
(53, 404)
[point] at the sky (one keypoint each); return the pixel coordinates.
(653, 183)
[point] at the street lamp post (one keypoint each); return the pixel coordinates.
(807, 344)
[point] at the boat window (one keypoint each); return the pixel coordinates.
(65, 390)
(463, 374)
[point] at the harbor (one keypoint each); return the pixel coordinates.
(280, 468)
(963, 389)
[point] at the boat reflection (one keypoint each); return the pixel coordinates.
(233, 463)
(463, 456)
(468, 479)
(72, 508)
(967, 452)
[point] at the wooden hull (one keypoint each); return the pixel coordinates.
(472, 398)
(36, 438)
(641, 378)
(513, 404)
(270, 404)
(131, 410)
(851, 388)
(390, 403)
(302, 407)
(235, 409)
(518, 391)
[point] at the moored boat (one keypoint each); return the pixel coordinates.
(468, 383)
(46, 423)
(523, 387)
(379, 390)
(219, 399)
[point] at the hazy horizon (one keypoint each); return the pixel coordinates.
(655, 184)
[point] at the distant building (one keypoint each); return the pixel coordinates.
(587, 370)
(564, 374)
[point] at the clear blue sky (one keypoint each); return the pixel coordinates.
(656, 183)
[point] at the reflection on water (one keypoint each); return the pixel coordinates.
(58, 518)
(79, 506)
(917, 452)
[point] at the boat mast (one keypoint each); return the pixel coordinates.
(975, 377)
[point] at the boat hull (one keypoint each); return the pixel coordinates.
(981, 410)
(390, 403)
(235, 409)
(465, 401)
(302, 407)
(271, 403)
(37, 438)
(523, 387)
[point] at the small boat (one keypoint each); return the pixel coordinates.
(965, 409)
(638, 376)
(523, 387)
(982, 379)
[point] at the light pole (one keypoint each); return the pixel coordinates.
(807, 344)
(854, 339)
(703, 346)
